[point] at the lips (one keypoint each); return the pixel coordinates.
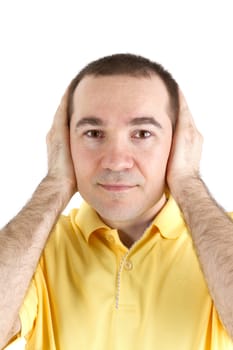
(117, 187)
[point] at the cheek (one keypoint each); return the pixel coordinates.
(155, 160)
(158, 154)
(84, 161)
(165, 149)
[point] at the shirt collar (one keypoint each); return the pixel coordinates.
(89, 221)
(169, 221)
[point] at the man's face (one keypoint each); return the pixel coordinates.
(120, 135)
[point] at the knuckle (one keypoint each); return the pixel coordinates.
(50, 134)
(48, 137)
(200, 137)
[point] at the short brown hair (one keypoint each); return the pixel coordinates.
(132, 65)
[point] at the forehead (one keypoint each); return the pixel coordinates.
(120, 93)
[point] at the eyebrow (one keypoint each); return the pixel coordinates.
(90, 121)
(94, 121)
(146, 120)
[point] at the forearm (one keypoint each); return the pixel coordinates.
(212, 233)
(21, 244)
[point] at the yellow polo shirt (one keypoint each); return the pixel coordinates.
(90, 292)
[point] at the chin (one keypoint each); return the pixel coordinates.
(115, 215)
(122, 209)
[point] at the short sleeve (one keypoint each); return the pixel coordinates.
(27, 315)
(28, 310)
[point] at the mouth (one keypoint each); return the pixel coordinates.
(117, 187)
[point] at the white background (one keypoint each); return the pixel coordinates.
(45, 43)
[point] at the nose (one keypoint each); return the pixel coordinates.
(117, 156)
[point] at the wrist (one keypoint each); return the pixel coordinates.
(64, 187)
(183, 185)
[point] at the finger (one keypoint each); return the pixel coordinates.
(61, 117)
(185, 115)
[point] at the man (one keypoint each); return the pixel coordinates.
(121, 272)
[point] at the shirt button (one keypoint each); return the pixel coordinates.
(128, 265)
(110, 238)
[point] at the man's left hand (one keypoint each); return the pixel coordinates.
(185, 154)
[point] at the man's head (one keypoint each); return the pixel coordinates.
(121, 127)
(129, 65)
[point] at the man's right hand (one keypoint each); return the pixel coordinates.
(60, 165)
(23, 239)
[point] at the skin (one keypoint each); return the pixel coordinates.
(120, 142)
(23, 239)
(185, 155)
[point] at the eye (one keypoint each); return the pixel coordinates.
(96, 134)
(141, 134)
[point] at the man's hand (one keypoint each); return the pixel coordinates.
(60, 165)
(185, 154)
(25, 236)
(210, 228)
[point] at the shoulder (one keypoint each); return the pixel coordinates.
(65, 222)
(64, 229)
(230, 214)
